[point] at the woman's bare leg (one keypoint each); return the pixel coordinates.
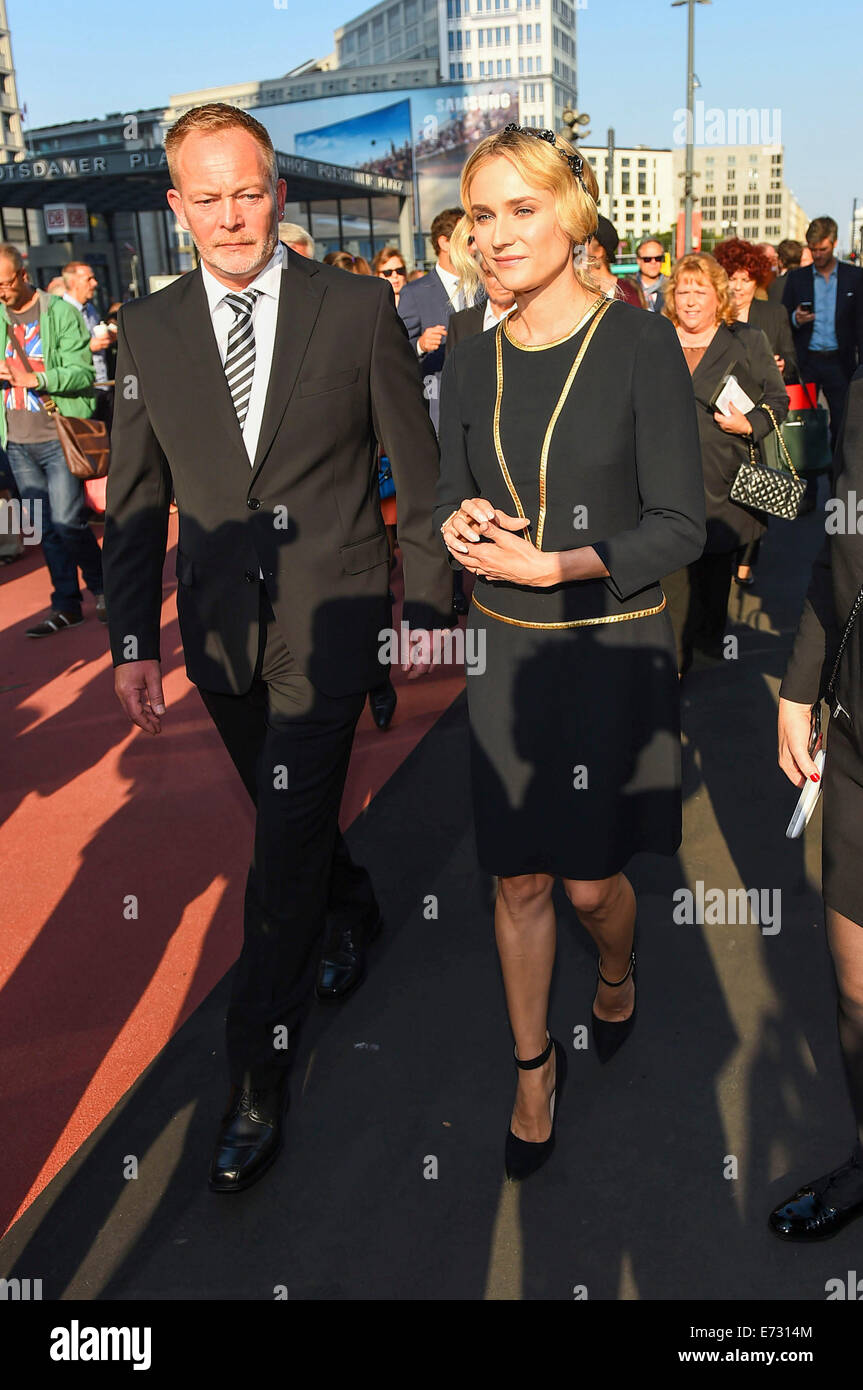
(606, 907)
(526, 933)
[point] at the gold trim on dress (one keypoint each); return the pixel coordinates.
(555, 342)
(576, 622)
(598, 311)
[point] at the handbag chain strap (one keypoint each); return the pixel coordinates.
(852, 618)
(782, 444)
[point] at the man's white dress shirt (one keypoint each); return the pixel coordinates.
(490, 319)
(269, 283)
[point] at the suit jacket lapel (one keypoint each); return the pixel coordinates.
(195, 330)
(299, 305)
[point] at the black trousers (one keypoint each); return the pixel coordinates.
(828, 373)
(291, 745)
(697, 598)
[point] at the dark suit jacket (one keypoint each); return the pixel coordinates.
(464, 324)
(800, 286)
(743, 349)
(776, 289)
(424, 304)
(773, 321)
(836, 578)
(307, 513)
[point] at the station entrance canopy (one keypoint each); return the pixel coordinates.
(137, 181)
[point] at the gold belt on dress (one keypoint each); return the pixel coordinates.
(575, 622)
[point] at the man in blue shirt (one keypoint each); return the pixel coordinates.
(828, 335)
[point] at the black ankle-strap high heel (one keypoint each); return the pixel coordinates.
(608, 1036)
(521, 1156)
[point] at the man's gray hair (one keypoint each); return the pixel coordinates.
(295, 235)
(11, 253)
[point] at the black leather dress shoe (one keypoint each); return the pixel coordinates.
(821, 1208)
(382, 703)
(251, 1135)
(343, 965)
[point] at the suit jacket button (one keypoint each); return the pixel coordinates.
(250, 576)
(253, 504)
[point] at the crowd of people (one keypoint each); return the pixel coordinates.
(517, 384)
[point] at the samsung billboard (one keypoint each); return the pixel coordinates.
(422, 136)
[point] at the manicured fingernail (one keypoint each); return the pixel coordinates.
(490, 516)
(816, 777)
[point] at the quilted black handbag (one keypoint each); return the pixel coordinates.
(766, 489)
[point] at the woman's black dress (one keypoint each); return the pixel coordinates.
(575, 750)
(836, 579)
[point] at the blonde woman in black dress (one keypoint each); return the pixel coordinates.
(570, 482)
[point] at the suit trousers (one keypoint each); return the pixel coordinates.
(291, 745)
(697, 598)
(828, 373)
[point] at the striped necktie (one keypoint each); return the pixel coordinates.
(240, 354)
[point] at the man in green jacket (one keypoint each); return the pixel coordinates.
(54, 338)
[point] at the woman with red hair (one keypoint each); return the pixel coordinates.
(748, 269)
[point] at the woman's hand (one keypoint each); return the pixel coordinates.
(736, 423)
(467, 523)
(795, 731)
(512, 558)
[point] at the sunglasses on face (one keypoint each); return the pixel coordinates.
(396, 270)
(650, 258)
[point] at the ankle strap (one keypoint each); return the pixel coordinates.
(534, 1061)
(614, 983)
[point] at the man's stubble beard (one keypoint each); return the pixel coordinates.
(257, 261)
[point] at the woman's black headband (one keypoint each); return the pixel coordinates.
(575, 161)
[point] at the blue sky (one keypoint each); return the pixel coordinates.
(769, 54)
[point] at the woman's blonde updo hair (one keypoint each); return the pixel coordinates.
(707, 271)
(542, 166)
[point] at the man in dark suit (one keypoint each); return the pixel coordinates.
(788, 254)
(828, 337)
(486, 313)
(425, 306)
(255, 389)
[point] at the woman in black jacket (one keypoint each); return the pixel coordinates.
(698, 302)
(748, 271)
(824, 1206)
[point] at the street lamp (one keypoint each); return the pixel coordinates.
(570, 119)
(688, 199)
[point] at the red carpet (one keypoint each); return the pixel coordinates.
(124, 861)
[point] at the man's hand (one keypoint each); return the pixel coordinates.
(802, 317)
(780, 362)
(431, 339)
(138, 687)
(795, 731)
(19, 376)
(100, 342)
(422, 643)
